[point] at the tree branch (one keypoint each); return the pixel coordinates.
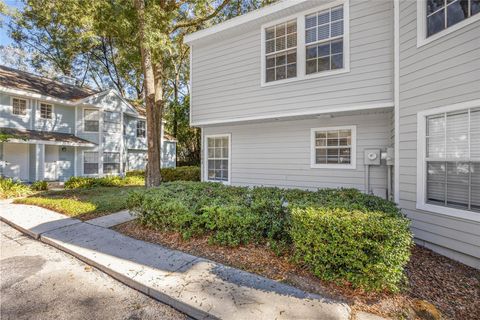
(200, 20)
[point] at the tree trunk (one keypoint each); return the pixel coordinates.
(154, 114)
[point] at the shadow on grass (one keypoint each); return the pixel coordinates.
(83, 204)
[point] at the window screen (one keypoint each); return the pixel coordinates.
(90, 120)
(46, 111)
(111, 162)
(442, 14)
(218, 158)
(324, 40)
(281, 51)
(90, 163)
(453, 159)
(141, 129)
(19, 107)
(333, 146)
(111, 121)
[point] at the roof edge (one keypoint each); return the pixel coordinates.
(234, 22)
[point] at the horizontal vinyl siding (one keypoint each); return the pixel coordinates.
(443, 72)
(278, 153)
(226, 74)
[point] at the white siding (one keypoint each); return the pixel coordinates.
(443, 72)
(278, 153)
(226, 74)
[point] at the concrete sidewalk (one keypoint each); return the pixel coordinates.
(201, 288)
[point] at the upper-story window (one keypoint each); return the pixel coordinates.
(111, 121)
(442, 14)
(141, 132)
(281, 51)
(46, 111)
(19, 106)
(324, 40)
(90, 120)
(313, 43)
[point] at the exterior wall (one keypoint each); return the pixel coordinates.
(169, 154)
(278, 153)
(32, 176)
(226, 73)
(16, 156)
(441, 73)
(63, 119)
(136, 160)
(9, 120)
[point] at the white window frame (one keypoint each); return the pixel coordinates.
(83, 164)
(83, 120)
(144, 129)
(26, 107)
(47, 104)
(205, 162)
(119, 163)
(422, 38)
(301, 45)
(119, 123)
(422, 168)
(353, 149)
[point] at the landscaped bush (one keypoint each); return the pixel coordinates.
(337, 233)
(369, 249)
(39, 186)
(109, 181)
(10, 188)
(188, 173)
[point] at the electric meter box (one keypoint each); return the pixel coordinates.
(372, 157)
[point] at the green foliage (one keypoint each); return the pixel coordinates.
(369, 249)
(108, 181)
(10, 188)
(338, 233)
(187, 173)
(39, 186)
(83, 203)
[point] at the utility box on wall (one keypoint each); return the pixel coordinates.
(372, 157)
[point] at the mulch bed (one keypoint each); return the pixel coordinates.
(450, 286)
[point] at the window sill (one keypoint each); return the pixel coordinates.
(334, 166)
(422, 40)
(306, 77)
(451, 212)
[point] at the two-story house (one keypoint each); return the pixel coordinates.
(58, 130)
(382, 96)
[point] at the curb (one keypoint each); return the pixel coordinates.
(154, 294)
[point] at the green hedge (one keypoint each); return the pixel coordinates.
(188, 173)
(368, 249)
(109, 181)
(337, 233)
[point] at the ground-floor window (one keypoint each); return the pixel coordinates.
(111, 162)
(218, 158)
(90, 163)
(451, 159)
(333, 147)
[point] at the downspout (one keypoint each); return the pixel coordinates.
(396, 98)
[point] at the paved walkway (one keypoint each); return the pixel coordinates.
(113, 219)
(201, 288)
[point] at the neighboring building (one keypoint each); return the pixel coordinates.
(382, 96)
(62, 130)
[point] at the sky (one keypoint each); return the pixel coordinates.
(4, 38)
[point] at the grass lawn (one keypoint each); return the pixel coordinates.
(82, 204)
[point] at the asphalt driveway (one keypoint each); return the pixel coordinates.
(41, 282)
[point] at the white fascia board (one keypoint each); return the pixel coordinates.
(31, 95)
(246, 18)
(54, 143)
(287, 115)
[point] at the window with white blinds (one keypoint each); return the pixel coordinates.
(90, 163)
(452, 159)
(111, 162)
(111, 121)
(90, 120)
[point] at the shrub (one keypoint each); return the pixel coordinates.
(369, 249)
(10, 188)
(39, 186)
(188, 173)
(337, 233)
(108, 181)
